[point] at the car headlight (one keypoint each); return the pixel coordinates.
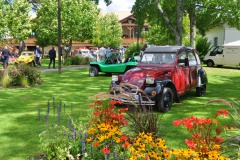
(149, 80)
(114, 78)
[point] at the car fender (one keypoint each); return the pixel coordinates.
(161, 84)
(202, 77)
(97, 66)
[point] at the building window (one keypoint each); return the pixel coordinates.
(215, 42)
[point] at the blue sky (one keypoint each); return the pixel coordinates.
(117, 5)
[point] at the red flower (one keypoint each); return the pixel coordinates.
(190, 144)
(96, 114)
(98, 102)
(126, 144)
(95, 144)
(123, 138)
(105, 150)
(222, 112)
(113, 102)
(218, 140)
(177, 122)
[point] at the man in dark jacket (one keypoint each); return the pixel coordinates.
(52, 56)
(5, 56)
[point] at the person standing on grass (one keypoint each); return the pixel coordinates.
(5, 56)
(52, 56)
(102, 53)
(38, 55)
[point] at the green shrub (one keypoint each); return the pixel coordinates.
(33, 76)
(67, 61)
(203, 46)
(76, 60)
(132, 48)
(14, 75)
(5, 80)
(24, 75)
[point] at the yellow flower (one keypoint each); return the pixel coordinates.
(89, 139)
(117, 140)
(100, 138)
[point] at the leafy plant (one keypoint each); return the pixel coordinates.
(5, 80)
(132, 48)
(143, 119)
(231, 146)
(203, 139)
(203, 46)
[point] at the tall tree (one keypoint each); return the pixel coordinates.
(108, 31)
(145, 10)
(77, 20)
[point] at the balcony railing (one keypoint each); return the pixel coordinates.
(128, 41)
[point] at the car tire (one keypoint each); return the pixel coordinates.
(32, 64)
(210, 63)
(200, 91)
(93, 71)
(164, 104)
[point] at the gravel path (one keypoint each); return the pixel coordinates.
(69, 68)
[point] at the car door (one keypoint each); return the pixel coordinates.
(181, 76)
(192, 69)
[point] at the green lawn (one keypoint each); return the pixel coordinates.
(19, 106)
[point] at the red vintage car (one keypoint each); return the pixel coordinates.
(161, 77)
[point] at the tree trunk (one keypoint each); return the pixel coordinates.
(192, 17)
(178, 30)
(180, 4)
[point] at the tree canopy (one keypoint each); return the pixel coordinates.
(203, 15)
(15, 21)
(77, 20)
(108, 31)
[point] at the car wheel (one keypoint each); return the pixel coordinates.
(32, 64)
(93, 71)
(200, 91)
(210, 63)
(165, 102)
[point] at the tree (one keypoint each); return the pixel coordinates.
(151, 10)
(77, 20)
(203, 15)
(15, 21)
(36, 3)
(108, 31)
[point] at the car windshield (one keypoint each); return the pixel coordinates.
(159, 58)
(86, 52)
(26, 54)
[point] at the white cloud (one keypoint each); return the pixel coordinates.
(116, 5)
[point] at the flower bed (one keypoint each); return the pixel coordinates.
(103, 138)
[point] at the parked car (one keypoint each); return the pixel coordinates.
(84, 53)
(113, 64)
(161, 77)
(26, 57)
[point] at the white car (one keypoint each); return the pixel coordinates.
(85, 53)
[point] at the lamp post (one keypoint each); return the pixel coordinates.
(59, 37)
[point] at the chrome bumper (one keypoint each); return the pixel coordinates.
(130, 95)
